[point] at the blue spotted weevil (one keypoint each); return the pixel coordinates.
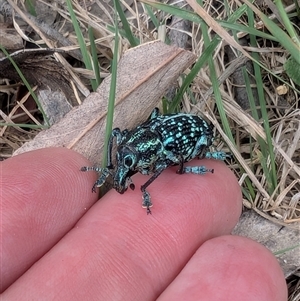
(153, 146)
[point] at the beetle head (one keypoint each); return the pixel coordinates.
(126, 164)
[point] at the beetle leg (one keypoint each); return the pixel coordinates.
(118, 134)
(154, 113)
(147, 201)
(199, 170)
(146, 196)
(180, 170)
(105, 172)
(217, 155)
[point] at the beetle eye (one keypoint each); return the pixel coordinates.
(128, 162)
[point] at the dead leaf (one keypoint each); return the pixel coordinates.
(39, 68)
(10, 40)
(281, 241)
(144, 74)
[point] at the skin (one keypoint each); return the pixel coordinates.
(58, 243)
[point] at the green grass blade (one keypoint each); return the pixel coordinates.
(151, 15)
(286, 250)
(94, 56)
(30, 7)
(267, 147)
(246, 29)
(215, 82)
(84, 51)
(122, 33)
(287, 23)
(194, 71)
(174, 10)
(112, 92)
(128, 33)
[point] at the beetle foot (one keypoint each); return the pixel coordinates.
(147, 201)
(105, 172)
(199, 170)
(91, 168)
(217, 155)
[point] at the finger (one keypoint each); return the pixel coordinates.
(229, 268)
(43, 195)
(117, 251)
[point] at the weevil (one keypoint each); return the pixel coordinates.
(153, 146)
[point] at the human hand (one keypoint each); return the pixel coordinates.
(58, 244)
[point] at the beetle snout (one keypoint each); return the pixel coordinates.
(120, 179)
(119, 188)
